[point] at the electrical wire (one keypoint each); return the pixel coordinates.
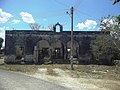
(65, 5)
(77, 4)
(54, 13)
(95, 18)
(81, 12)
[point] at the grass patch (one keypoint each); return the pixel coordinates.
(19, 68)
(96, 72)
(80, 71)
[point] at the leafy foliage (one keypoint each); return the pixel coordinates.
(117, 19)
(1, 41)
(112, 24)
(106, 23)
(104, 49)
(116, 1)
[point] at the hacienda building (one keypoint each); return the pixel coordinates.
(40, 46)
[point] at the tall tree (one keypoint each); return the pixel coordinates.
(112, 24)
(34, 26)
(117, 19)
(106, 23)
(104, 50)
(116, 1)
(1, 41)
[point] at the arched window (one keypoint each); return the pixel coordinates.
(58, 28)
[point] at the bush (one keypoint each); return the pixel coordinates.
(116, 62)
(10, 59)
(29, 59)
(104, 50)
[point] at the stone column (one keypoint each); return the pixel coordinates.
(65, 52)
(35, 54)
(79, 50)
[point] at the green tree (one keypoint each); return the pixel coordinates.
(116, 1)
(106, 23)
(1, 41)
(104, 50)
(112, 24)
(117, 19)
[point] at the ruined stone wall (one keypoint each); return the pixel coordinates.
(26, 40)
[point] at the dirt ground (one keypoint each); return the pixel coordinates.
(1, 60)
(90, 77)
(85, 77)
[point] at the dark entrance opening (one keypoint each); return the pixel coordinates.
(57, 53)
(19, 52)
(68, 53)
(42, 54)
(45, 52)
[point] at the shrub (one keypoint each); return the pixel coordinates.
(104, 50)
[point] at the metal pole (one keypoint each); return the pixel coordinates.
(71, 57)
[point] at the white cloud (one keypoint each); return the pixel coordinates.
(3, 28)
(4, 16)
(27, 17)
(88, 24)
(2, 33)
(15, 21)
(108, 21)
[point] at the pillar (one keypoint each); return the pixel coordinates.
(35, 54)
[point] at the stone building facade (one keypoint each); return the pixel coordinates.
(36, 46)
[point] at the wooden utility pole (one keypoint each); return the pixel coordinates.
(71, 46)
(71, 56)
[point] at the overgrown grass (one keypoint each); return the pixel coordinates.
(80, 71)
(96, 72)
(30, 68)
(19, 68)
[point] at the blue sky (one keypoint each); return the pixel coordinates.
(49, 12)
(18, 14)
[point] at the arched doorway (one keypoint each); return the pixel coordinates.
(56, 27)
(57, 49)
(19, 52)
(75, 49)
(43, 50)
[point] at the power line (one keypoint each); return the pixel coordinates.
(79, 16)
(77, 4)
(54, 13)
(81, 12)
(96, 19)
(83, 22)
(65, 5)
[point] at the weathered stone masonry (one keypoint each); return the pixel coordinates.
(47, 46)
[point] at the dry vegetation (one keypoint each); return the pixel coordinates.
(93, 77)
(80, 71)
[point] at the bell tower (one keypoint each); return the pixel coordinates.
(60, 26)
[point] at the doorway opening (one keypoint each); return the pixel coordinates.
(43, 53)
(19, 52)
(57, 53)
(68, 52)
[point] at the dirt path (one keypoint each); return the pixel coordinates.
(10, 80)
(1, 60)
(63, 77)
